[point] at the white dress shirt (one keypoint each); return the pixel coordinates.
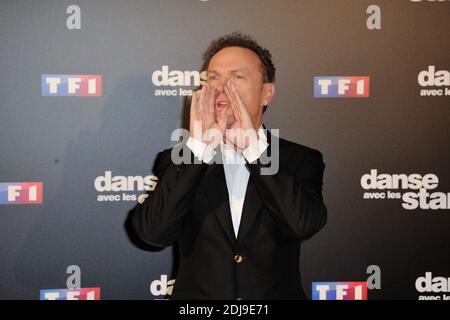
(236, 173)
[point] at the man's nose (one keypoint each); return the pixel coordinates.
(221, 85)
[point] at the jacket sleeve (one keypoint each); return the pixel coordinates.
(158, 219)
(294, 199)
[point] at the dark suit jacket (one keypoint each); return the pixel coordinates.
(190, 205)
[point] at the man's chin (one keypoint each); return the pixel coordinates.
(230, 122)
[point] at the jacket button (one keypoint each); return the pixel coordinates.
(238, 258)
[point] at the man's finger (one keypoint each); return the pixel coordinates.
(232, 100)
(222, 120)
(194, 101)
(211, 99)
(201, 99)
(237, 97)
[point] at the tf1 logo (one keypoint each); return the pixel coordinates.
(339, 291)
(21, 193)
(74, 290)
(69, 85)
(341, 87)
(71, 294)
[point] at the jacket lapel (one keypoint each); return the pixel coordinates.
(251, 208)
(253, 203)
(215, 188)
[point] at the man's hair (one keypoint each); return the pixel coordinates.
(238, 39)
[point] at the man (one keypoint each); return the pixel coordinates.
(239, 231)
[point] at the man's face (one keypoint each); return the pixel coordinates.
(244, 68)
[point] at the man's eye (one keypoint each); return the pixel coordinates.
(212, 78)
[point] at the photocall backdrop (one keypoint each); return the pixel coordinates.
(92, 90)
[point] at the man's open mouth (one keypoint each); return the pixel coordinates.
(222, 104)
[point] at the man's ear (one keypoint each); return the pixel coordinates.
(268, 93)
